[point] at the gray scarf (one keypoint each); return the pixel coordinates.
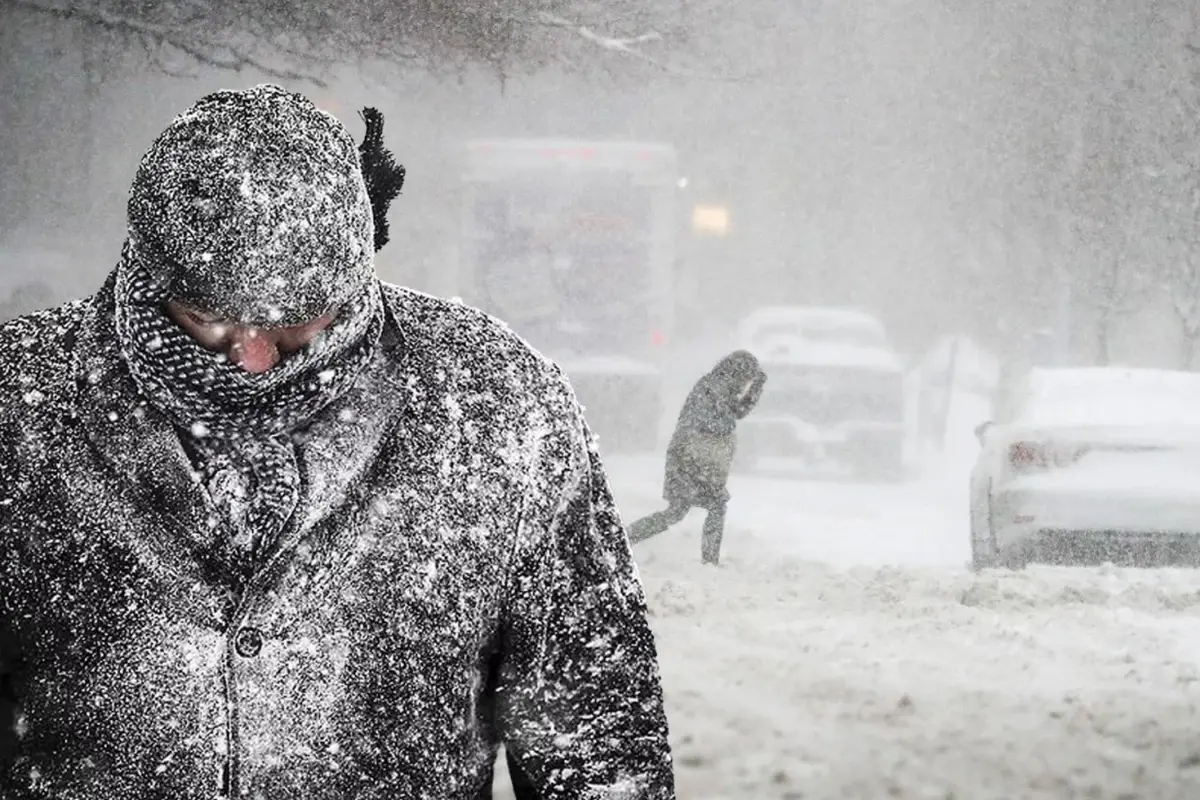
(241, 425)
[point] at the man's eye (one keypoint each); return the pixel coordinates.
(202, 319)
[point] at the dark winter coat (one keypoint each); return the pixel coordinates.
(705, 439)
(454, 578)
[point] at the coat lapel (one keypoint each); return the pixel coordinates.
(340, 449)
(141, 451)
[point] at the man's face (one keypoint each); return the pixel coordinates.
(255, 350)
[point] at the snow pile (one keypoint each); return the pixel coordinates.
(844, 651)
(791, 679)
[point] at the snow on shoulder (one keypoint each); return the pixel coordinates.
(37, 344)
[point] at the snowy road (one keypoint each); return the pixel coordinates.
(844, 651)
(799, 680)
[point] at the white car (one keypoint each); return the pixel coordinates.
(1087, 466)
(835, 389)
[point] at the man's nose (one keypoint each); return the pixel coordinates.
(252, 349)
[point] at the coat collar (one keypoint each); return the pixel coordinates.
(142, 449)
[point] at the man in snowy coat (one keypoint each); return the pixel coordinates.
(702, 449)
(270, 528)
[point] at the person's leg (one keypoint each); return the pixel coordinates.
(714, 531)
(656, 523)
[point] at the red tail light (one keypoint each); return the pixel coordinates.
(1042, 455)
(577, 152)
(657, 338)
(1024, 455)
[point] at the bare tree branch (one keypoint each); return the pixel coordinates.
(297, 40)
(153, 51)
(192, 41)
(625, 46)
(628, 47)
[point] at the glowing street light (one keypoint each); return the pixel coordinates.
(712, 220)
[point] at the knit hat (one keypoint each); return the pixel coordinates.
(252, 206)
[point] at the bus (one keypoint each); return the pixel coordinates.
(572, 244)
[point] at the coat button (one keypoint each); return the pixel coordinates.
(248, 642)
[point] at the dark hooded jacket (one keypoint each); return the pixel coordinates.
(449, 575)
(705, 438)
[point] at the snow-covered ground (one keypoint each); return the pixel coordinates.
(843, 650)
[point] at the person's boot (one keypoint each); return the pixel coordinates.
(641, 529)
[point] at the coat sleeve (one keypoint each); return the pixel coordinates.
(747, 403)
(579, 697)
(705, 412)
